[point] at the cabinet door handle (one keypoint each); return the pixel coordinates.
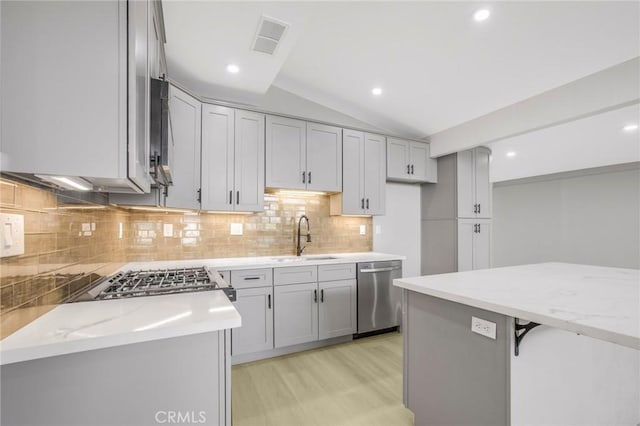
(475, 228)
(199, 193)
(362, 202)
(238, 197)
(478, 208)
(367, 204)
(408, 169)
(251, 278)
(304, 178)
(315, 296)
(412, 169)
(268, 301)
(479, 228)
(322, 296)
(230, 197)
(309, 177)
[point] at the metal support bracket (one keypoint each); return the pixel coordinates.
(519, 331)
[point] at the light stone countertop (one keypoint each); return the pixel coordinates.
(82, 326)
(600, 302)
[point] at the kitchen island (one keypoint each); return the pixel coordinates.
(578, 363)
(121, 362)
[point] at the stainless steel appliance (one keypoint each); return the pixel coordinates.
(157, 282)
(379, 302)
(159, 132)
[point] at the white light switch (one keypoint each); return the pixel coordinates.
(236, 229)
(483, 327)
(12, 243)
(167, 230)
(363, 230)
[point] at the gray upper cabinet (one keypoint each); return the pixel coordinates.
(232, 159)
(286, 144)
(410, 161)
(184, 150)
(324, 158)
(364, 175)
(302, 155)
(92, 119)
(473, 186)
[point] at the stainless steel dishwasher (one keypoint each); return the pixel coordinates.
(379, 302)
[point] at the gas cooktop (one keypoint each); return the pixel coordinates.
(158, 282)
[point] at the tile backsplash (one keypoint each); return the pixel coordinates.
(70, 244)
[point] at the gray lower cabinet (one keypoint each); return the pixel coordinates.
(337, 315)
(296, 314)
(255, 306)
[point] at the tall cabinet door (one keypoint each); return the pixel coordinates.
(375, 173)
(482, 184)
(353, 170)
(249, 161)
(482, 245)
(255, 306)
(217, 157)
(324, 158)
(337, 313)
(466, 229)
(184, 150)
(398, 166)
(466, 184)
(285, 153)
(296, 316)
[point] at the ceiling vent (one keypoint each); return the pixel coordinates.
(270, 34)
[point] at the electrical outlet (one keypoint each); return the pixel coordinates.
(236, 229)
(167, 229)
(363, 229)
(12, 235)
(483, 327)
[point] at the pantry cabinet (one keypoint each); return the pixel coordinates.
(473, 186)
(474, 244)
(303, 155)
(76, 82)
(364, 175)
(232, 159)
(410, 161)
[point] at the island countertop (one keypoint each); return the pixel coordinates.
(600, 302)
(83, 326)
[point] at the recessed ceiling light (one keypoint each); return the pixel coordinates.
(630, 127)
(481, 15)
(377, 91)
(511, 154)
(233, 68)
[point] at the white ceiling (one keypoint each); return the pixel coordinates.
(591, 142)
(437, 66)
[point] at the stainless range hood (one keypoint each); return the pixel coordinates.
(159, 133)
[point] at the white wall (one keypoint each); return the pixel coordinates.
(590, 216)
(398, 231)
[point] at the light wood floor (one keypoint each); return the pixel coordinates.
(355, 383)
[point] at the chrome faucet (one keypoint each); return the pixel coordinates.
(300, 248)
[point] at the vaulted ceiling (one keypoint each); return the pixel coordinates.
(436, 65)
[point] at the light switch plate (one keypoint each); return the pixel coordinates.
(363, 230)
(11, 235)
(167, 230)
(236, 229)
(483, 327)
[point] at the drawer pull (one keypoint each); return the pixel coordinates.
(251, 278)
